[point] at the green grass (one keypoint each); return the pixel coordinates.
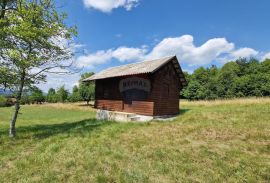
(222, 141)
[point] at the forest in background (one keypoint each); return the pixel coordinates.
(235, 79)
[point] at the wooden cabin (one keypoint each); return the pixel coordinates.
(148, 88)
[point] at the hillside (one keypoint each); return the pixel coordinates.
(218, 141)
(5, 92)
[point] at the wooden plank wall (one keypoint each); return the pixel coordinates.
(162, 100)
(112, 105)
(137, 107)
(140, 107)
(165, 91)
(109, 86)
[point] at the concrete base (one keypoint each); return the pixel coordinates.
(129, 117)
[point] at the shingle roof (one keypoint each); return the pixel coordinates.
(138, 68)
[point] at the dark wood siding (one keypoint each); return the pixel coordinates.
(163, 98)
(112, 105)
(165, 91)
(108, 89)
(140, 107)
(108, 97)
(137, 107)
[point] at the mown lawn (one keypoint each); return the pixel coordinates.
(221, 141)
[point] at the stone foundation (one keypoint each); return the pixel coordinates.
(128, 117)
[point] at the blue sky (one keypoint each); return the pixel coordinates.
(200, 33)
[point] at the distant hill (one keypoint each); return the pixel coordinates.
(5, 92)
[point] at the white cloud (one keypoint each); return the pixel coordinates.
(129, 54)
(187, 52)
(91, 60)
(266, 56)
(103, 56)
(108, 5)
(216, 49)
(244, 53)
(239, 53)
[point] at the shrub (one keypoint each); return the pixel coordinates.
(3, 101)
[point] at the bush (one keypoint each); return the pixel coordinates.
(25, 100)
(3, 101)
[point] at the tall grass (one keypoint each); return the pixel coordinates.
(217, 141)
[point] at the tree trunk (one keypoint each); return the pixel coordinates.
(3, 11)
(12, 129)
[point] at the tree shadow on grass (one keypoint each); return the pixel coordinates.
(73, 128)
(77, 128)
(183, 111)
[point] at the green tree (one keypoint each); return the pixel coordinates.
(3, 101)
(202, 84)
(31, 36)
(191, 90)
(86, 90)
(62, 94)
(227, 76)
(51, 96)
(265, 81)
(25, 97)
(36, 96)
(75, 96)
(240, 78)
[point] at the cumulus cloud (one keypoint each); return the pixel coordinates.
(90, 60)
(108, 5)
(216, 49)
(244, 53)
(185, 49)
(129, 54)
(103, 56)
(266, 56)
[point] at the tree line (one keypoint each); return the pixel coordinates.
(241, 78)
(83, 92)
(34, 95)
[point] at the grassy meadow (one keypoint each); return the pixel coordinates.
(217, 141)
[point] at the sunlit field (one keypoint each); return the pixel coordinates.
(210, 141)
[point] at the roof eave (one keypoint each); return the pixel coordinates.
(181, 78)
